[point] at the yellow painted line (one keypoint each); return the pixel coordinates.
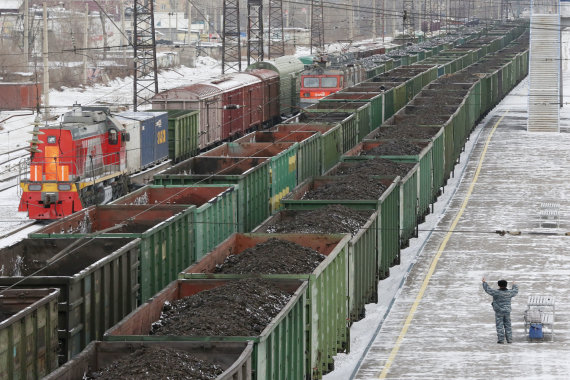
(433, 265)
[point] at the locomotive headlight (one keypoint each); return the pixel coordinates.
(36, 187)
(51, 140)
(64, 186)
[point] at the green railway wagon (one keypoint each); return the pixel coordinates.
(183, 129)
(347, 121)
(282, 158)
(363, 252)
(473, 102)
(388, 90)
(166, 234)
(289, 69)
(279, 351)
(428, 75)
(250, 174)
(361, 111)
(435, 134)
(465, 55)
(98, 282)
(442, 121)
(420, 54)
(233, 357)
(399, 60)
(376, 100)
(387, 204)
(467, 90)
(330, 144)
(215, 212)
(28, 333)
(327, 293)
(453, 119)
(495, 86)
(440, 63)
(308, 151)
(410, 185)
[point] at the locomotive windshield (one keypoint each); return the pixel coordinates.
(311, 82)
(329, 82)
(113, 137)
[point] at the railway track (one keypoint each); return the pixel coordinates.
(13, 158)
(9, 186)
(18, 229)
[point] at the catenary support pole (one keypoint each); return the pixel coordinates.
(85, 42)
(26, 31)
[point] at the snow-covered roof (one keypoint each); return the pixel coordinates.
(10, 4)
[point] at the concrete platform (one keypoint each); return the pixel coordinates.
(441, 324)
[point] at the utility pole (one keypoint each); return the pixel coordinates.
(176, 19)
(231, 46)
(26, 31)
(276, 47)
(408, 18)
(374, 17)
(145, 71)
(317, 26)
(447, 15)
(350, 11)
(104, 31)
(254, 31)
(123, 33)
(85, 42)
(287, 13)
(46, 65)
(383, 19)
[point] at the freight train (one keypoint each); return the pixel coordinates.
(202, 209)
(88, 157)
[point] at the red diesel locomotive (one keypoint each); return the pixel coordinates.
(83, 161)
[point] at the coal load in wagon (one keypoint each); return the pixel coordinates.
(158, 363)
(438, 109)
(376, 166)
(273, 256)
(447, 98)
(349, 187)
(461, 77)
(238, 308)
(405, 132)
(401, 147)
(422, 119)
(329, 219)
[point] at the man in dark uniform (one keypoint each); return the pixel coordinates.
(502, 307)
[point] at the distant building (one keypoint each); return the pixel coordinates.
(111, 7)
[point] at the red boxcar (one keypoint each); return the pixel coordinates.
(270, 78)
(253, 100)
(232, 108)
(16, 96)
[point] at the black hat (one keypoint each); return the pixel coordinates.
(502, 283)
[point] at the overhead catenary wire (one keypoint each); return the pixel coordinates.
(361, 8)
